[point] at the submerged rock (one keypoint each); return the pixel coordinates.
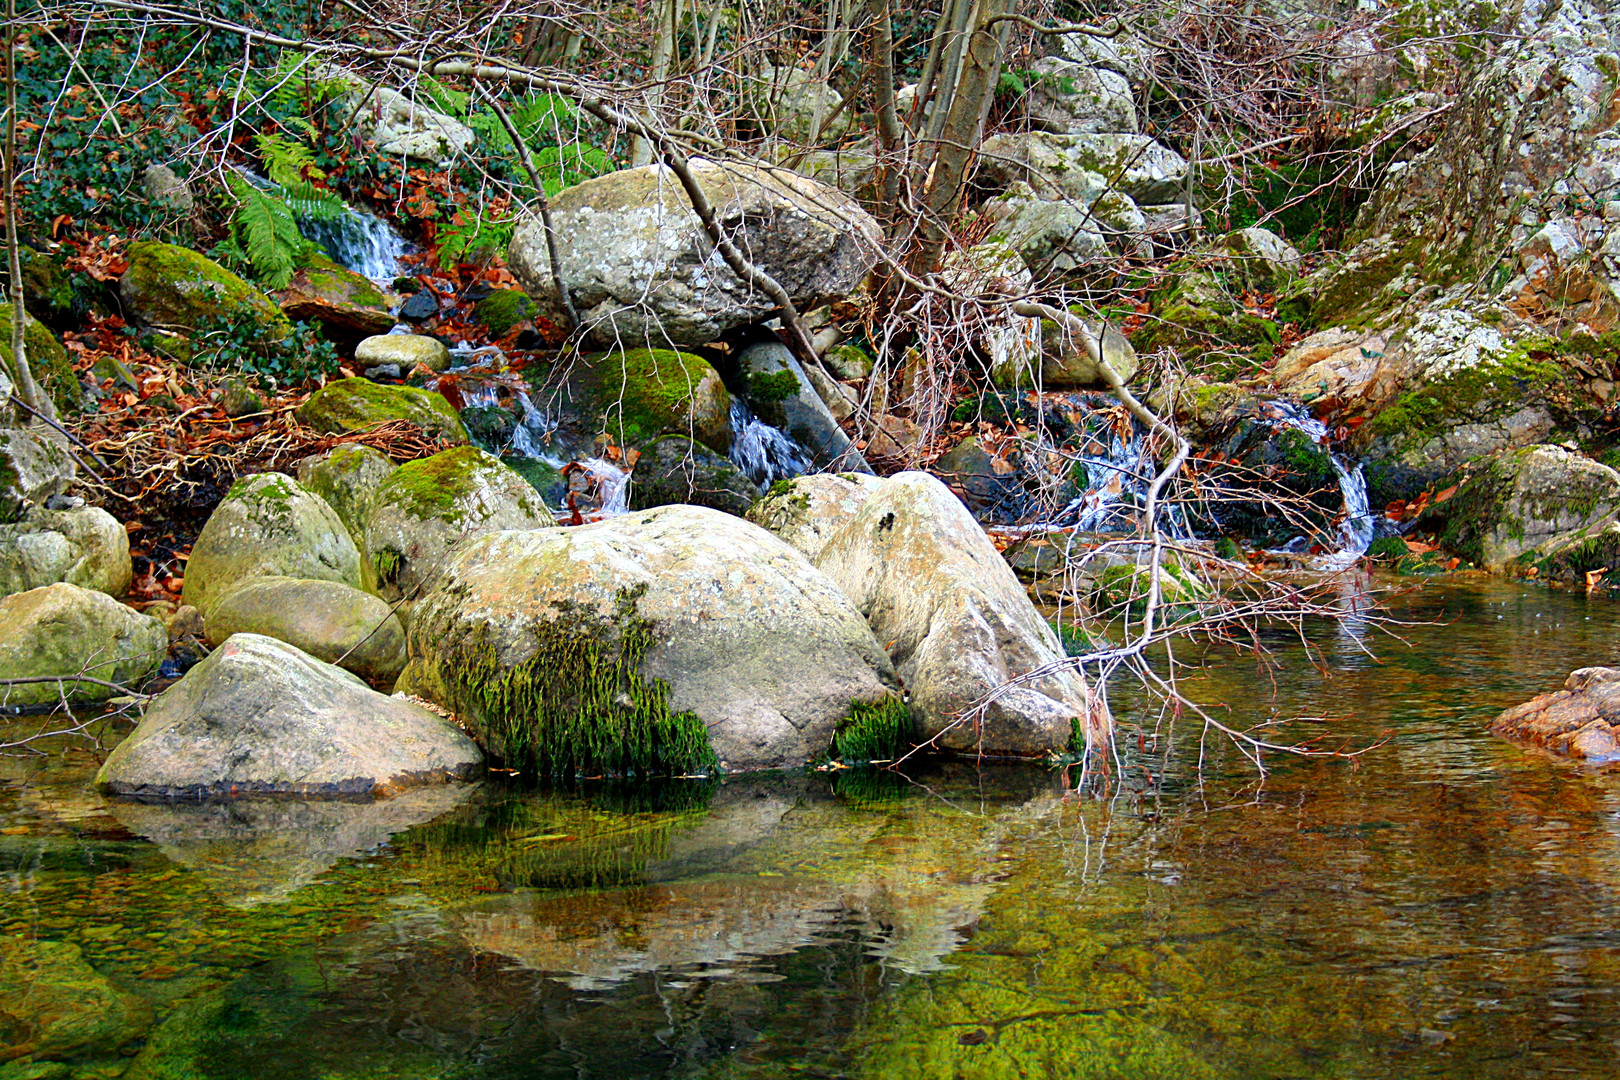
(958, 623)
(1581, 720)
(260, 717)
(54, 1005)
(62, 630)
(640, 267)
(85, 547)
(668, 640)
(269, 525)
(357, 404)
(331, 621)
(428, 506)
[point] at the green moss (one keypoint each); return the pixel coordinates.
(1387, 549)
(47, 360)
(433, 487)
(48, 291)
(503, 309)
(772, 387)
(175, 288)
(579, 705)
(358, 404)
(1472, 395)
(874, 731)
(1227, 548)
(641, 394)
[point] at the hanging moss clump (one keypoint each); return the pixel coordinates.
(580, 706)
(874, 731)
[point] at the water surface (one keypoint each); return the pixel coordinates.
(1445, 906)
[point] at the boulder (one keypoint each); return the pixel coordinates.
(329, 620)
(54, 1006)
(795, 407)
(1069, 97)
(640, 268)
(358, 404)
(347, 477)
(260, 717)
(166, 191)
(401, 125)
(349, 306)
(1011, 343)
(268, 525)
(1582, 720)
(34, 464)
(503, 309)
(1262, 257)
(674, 469)
(86, 547)
(1524, 504)
(795, 105)
(671, 640)
(807, 511)
(176, 290)
(428, 506)
(635, 395)
(405, 350)
(957, 622)
(1052, 237)
(47, 361)
(1068, 365)
(62, 630)
(1082, 167)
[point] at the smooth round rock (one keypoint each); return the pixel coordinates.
(63, 630)
(406, 350)
(327, 619)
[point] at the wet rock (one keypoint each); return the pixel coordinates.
(1581, 720)
(85, 547)
(349, 306)
(329, 620)
(638, 263)
(959, 624)
(633, 396)
(404, 351)
(676, 470)
(807, 511)
(358, 404)
(390, 372)
(782, 395)
(54, 1005)
(347, 477)
(260, 717)
(268, 525)
(429, 506)
(401, 125)
(420, 305)
(1069, 97)
(645, 643)
(63, 631)
(176, 290)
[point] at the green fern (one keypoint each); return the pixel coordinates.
(291, 167)
(299, 80)
(265, 230)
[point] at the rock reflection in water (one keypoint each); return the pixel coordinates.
(253, 851)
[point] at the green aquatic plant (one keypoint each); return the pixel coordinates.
(874, 731)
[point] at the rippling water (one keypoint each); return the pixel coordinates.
(1445, 907)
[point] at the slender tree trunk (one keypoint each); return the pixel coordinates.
(669, 20)
(891, 143)
(27, 389)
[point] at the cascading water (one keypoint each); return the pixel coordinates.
(358, 241)
(1118, 480)
(765, 453)
(1356, 530)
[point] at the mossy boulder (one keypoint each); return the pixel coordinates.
(678, 639)
(349, 405)
(503, 309)
(347, 305)
(64, 631)
(848, 362)
(1269, 460)
(1523, 505)
(1198, 315)
(637, 395)
(347, 477)
(86, 547)
(807, 511)
(55, 1006)
(328, 620)
(1121, 590)
(1066, 364)
(429, 506)
(47, 360)
(268, 525)
(174, 289)
(674, 469)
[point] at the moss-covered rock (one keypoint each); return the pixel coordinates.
(358, 404)
(64, 631)
(674, 469)
(269, 525)
(1197, 315)
(349, 306)
(1065, 364)
(503, 309)
(637, 395)
(1120, 590)
(175, 289)
(48, 291)
(429, 506)
(47, 360)
(328, 620)
(348, 477)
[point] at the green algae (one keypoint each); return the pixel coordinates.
(874, 731)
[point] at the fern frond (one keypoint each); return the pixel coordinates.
(286, 162)
(265, 229)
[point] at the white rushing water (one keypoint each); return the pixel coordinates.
(765, 453)
(1117, 486)
(1356, 530)
(360, 241)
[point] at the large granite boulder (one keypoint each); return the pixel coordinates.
(329, 620)
(641, 270)
(260, 717)
(428, 506)
(671, 640)
(47, 361)
(359, 404)
(635, 395)
(807, 511)
(85, 547)
(957, 623)
(62, 631)
(1581, 720)
(268, 525)
(674, 469)
(1053, 236)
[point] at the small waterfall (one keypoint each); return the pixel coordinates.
(359, 241)
(1356, 530)
(532, 434)
(1118, 481)
(595, 480)
(763, 452)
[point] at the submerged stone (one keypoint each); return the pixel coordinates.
(54, 1005)
(1582, 720)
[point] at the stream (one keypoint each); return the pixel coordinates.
(1445, 907)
